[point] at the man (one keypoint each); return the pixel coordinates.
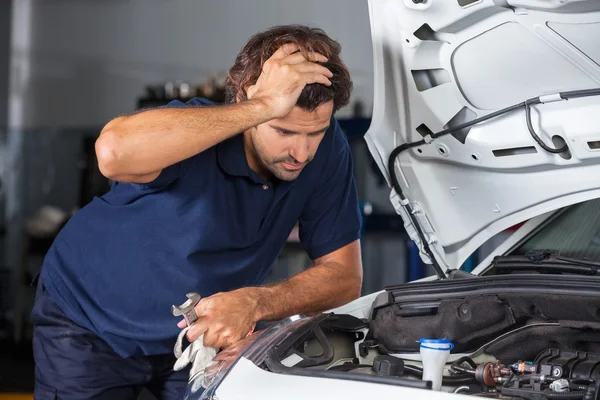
(204, 197)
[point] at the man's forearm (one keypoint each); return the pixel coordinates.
(315, 290)
(150, 141)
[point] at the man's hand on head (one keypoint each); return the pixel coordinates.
(224, 318)
(284, 76)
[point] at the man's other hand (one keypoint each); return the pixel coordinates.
(283, 77)
(224, 318)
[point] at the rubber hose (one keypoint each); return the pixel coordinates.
(468, 360)
(413, 371)
(458, 380)
(564, 395)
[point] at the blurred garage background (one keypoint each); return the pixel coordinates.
(68, 66)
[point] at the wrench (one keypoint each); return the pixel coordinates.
(187, 308)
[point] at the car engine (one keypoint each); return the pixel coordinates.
(554, 374)
(522, 338)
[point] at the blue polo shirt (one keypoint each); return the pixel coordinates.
(207, 224)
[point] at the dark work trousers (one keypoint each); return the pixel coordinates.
(73, 363)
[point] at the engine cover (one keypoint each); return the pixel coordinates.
(571, 365)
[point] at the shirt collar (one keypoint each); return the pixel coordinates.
(232, 157)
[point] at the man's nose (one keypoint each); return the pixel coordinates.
(300, 149)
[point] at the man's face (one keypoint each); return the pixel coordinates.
(282, 147)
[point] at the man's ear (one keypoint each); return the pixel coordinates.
(239, 97)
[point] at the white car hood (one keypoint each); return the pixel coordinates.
(440, 63)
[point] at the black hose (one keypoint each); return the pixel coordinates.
(537, 138)
(578, 395)
(458, 380)
(479, 120)
(391, 161)
(468, 360)
(573, 94)
(413, 371)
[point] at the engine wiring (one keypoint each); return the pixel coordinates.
(429, 138)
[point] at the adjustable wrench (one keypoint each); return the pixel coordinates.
(187, 309)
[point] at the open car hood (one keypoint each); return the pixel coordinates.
(442, 63)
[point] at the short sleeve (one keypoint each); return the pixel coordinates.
(166, 177)
(331, 218)
(173, 172)
(194, 102)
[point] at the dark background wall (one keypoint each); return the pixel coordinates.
(5, 26)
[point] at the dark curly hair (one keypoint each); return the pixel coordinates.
(248, 65)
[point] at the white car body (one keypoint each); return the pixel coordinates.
(440, 63)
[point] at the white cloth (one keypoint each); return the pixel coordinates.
(196, 353)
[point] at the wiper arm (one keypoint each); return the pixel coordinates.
(547, 261)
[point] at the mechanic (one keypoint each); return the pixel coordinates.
(204, 197)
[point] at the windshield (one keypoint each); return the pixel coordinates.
(574, 233)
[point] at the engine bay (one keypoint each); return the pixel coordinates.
(514, 342)
(554, 374)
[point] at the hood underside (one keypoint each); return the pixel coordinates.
(440, 64)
